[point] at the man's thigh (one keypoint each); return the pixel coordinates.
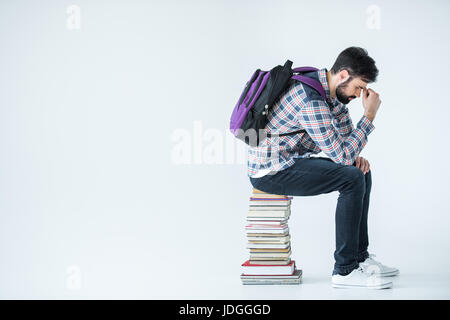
(310, 176)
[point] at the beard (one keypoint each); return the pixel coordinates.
(340, 94)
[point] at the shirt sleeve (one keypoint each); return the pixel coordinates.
(316, 118)
(341, 119)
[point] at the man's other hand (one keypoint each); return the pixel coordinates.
(362, 164)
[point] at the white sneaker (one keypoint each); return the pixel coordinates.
(371, 266)
(360, 279)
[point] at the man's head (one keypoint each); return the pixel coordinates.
(351, 73)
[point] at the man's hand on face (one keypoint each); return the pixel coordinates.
(362, 164)
(371, 103)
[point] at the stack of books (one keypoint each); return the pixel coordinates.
(269, 241)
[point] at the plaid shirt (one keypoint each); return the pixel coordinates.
(328, 127)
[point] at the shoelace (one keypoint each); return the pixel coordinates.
(360, 269)
(363, 271)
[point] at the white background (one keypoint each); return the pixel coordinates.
(87, 177)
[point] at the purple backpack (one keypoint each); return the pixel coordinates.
(249, 117)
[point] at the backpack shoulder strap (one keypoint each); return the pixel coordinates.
(316, 85)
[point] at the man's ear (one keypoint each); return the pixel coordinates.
(343, 75)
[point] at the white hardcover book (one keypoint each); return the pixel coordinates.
(269, 239)
(275, 235)
(269, 255)
(251, 245)
(269, 208)
(279, 262)
(269, 213)
(297, 274)
(265, 208)
(250, 269)
(266, 242)
(282, 231)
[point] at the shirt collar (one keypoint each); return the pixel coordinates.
(323, 80)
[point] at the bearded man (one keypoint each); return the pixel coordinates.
(286, 165)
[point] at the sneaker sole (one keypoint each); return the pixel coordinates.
(348, 286)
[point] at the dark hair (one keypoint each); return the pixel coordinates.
(358, 64)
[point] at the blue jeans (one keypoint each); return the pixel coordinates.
(319, 175)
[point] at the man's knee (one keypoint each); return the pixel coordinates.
(354, 175)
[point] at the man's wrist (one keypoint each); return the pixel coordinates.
(369, 116)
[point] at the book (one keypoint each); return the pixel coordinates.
(268, 196)
(272, 282)
(283, 231)
(269, 208)
(270, 250)
(252, 226)
(271, 262)
(295, 278)
(268, 244)
(274, 212)
(262, 269)
(296, 274)
(257, 244)
(268, 258)
(269, 255)
(281, 201)
(263, 239)
(252, 245)
(280, 240)
(270, 202)
(265, 226)
(267, 219)
(254, 234)
(268, 213)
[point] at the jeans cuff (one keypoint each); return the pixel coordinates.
(343, 271)
(362, 256)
